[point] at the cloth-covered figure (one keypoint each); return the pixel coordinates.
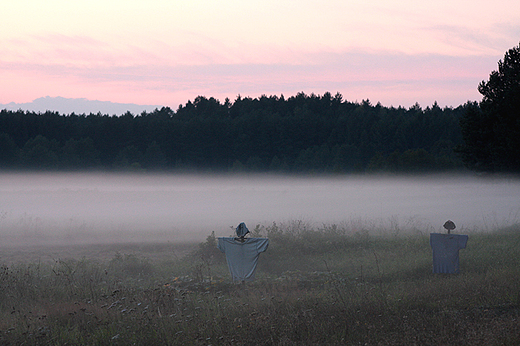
(446, 251)
(242, 256)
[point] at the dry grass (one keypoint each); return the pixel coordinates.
(360, 289)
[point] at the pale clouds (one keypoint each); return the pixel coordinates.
(167, 52)
(391, 78)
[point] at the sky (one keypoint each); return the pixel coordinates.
(157, 52)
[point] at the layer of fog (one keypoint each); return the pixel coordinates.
(41, 208)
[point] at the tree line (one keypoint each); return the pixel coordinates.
(491, 129)
(302, 133)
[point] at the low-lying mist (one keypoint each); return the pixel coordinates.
(37, 208)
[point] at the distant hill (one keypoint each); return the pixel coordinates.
(78, 106)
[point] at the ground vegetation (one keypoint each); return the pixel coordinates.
(329, 285)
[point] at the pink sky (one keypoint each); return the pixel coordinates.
(168, 52)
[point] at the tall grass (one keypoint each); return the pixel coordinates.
(327, 285)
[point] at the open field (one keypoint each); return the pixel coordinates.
(324, 286)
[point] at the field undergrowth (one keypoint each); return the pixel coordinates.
(314, 286)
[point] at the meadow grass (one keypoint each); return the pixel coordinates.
(329, 285)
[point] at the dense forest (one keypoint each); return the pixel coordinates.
(300, 134)
(303, 133)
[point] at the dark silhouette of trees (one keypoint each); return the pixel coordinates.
(80, 154)
(302, 133)
(491, 130)
(8, 151)
(40, 152)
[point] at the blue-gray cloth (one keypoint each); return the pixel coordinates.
(446, 251)
(242, 257)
